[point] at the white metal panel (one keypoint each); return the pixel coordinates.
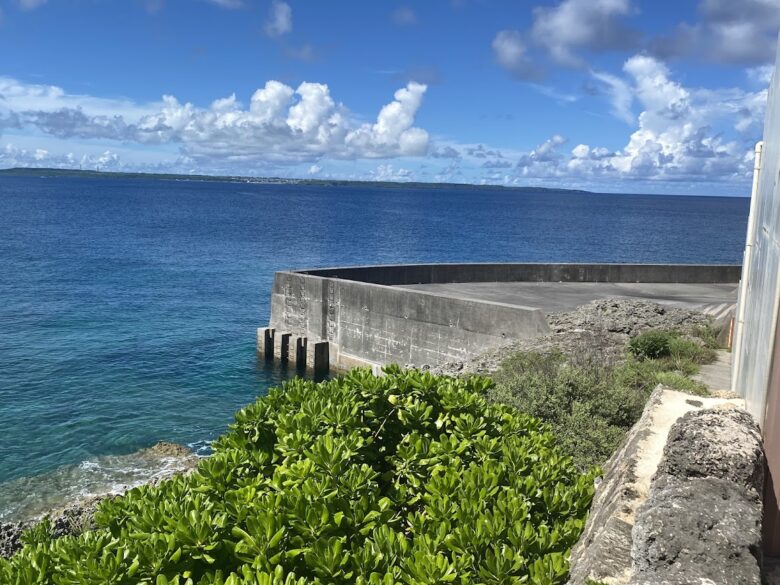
(761, 291)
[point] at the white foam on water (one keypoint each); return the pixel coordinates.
(31, 497)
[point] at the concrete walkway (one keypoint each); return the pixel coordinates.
(553, 297)
(717, 375)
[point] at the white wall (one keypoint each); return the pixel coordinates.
(759, 295)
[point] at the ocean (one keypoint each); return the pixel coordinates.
(128, 307)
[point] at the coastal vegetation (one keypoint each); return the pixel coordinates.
(406, 478)
(591, 401)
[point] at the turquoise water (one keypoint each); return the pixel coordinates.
(128, 308)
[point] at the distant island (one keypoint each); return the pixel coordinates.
(54, 173)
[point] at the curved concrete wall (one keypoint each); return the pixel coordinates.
(371, 324)
(506, 272)
(366, 321)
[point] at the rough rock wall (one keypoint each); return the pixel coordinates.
(698, 520)
(702, 521)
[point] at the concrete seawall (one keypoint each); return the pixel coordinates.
(398, 274)
(366, 318)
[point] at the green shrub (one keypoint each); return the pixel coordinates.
(678, 381)
(403, 479)
(708, 335)
(657, 344)
(589, 407)
(690, 349)
(651, 344)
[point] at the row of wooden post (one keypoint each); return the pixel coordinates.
(295, 350)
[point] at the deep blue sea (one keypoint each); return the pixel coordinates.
(128, 308)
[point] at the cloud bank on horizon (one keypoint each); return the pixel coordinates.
(598, 94)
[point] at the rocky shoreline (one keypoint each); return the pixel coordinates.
(78, 516)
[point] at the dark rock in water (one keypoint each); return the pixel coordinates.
(703, 530)
(165, 449)
(724, 444)
(71, 520)
(10, 534)
(78, 516)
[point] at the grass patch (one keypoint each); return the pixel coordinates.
(591, 405)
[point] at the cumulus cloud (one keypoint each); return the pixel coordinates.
(14, 156)
(280, 124)
(480, 151)
(497, 164)
(682, 134)
(742, 33)
(444, 151)
(404, 16)
(544, 159)
(563, 32)
(279, 20)
(393, 128)
(389, 173)
(573, 25)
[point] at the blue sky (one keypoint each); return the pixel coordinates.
(608, 95)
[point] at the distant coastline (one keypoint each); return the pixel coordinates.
(54, 173)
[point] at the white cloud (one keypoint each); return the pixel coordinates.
(393, 128)
(390, 173)
(279, 19)
(281, 124)
(227, 3)
(315, 170)
(728, 31)
(544, 160)
(445, 151)
(621, 95)
(15, 156)
(404, 16)
(573, 25)
(31, 4)
(511, 51)
(761, 74)
(682, 134)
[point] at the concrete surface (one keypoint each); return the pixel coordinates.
(554, 297)
(717, 375)
(368, 324)
(535, 272)
(369, 319)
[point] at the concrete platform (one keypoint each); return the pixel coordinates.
(437, 313)
(554, 297)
